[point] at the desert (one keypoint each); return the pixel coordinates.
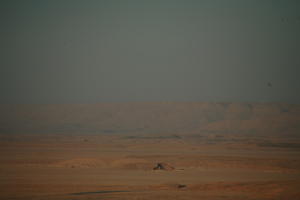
(149, 100)
(202, 162)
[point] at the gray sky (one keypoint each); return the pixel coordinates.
(101, 51)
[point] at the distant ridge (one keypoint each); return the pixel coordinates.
(161, 118)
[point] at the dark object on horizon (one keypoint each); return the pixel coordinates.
(163, 166)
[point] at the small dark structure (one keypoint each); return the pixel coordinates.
(181, 186)
(163, 166)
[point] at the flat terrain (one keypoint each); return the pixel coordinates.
(120, 166)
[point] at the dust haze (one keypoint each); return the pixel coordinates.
(149, 100)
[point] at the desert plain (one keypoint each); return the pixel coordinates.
(108, 151)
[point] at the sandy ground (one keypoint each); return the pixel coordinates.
(44, 167)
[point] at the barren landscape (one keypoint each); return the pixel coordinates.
(149, 100)
(217, 150)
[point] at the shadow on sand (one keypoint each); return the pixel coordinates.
(98, 192)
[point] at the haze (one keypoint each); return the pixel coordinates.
(158, 99)
(116, 51)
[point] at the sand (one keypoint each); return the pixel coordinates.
(120, 166)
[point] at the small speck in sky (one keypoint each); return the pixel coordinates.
(168, 50)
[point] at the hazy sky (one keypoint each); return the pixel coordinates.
(88, 51)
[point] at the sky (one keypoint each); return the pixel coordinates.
(72, 51)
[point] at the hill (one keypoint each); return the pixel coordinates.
(156, 118)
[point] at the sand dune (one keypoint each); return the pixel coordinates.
(80, 163)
